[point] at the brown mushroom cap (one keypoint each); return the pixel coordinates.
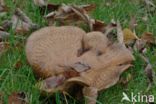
(95, 41)
(52, 47)
(100, 79)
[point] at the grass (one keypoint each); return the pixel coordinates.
(14, 79)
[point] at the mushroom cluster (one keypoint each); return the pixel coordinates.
(66, 56)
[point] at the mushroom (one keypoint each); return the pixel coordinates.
(51, 49)
(67, 56)
(95, 41)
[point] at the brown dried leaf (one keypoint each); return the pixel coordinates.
(17, 98)
(4, 35)
(80, 67)
(148, 72)
(149, 3)
(51, 84)
(150, 75)
(6, 25)
(49, 7)
(99, 26)
(54, 81)
(22, 16)
(69, 14)
(148, 37)
(150, 6)
(120, 35)
(129, 36)
(3, 7)
(140, 45)
(83, 14)
(40, 2)
(22, 23)
(2, 2)
(133, 23)
(52, 7)
(19, 26)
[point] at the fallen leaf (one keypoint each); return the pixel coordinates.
(83, 14)
(22, 16)
(120, 35)
(133, 23)
(150, 3)
(70, 14)
(19, 26)
(22, 23)
(17, 98)
(148, 37)
(54, 81)
(4, 35)
(150, 75)
(51, 84)
(129, 36)
(99, 26)
(6, 25)
(40, 2)
(49, 7)
(150, 6)
(140, 45)
(2, 2)
(80, 67)
(3, 7)
(55, 7)
(149, 72)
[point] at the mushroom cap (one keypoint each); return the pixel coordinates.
(95, 41)
(50, 48)
(100, 79)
